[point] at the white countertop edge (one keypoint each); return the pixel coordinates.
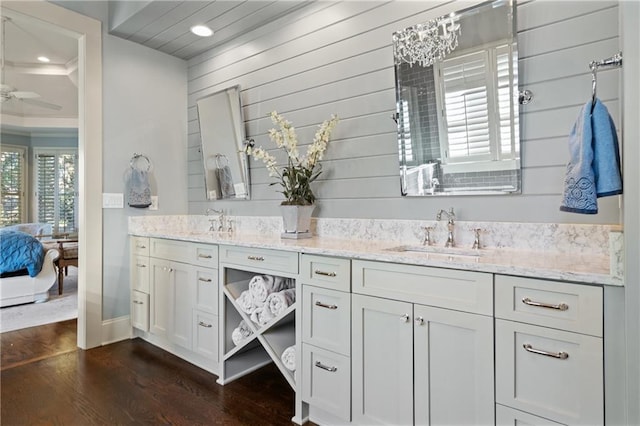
(493, 261)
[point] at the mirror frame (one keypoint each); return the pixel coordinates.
(215, 148)
(431, 167)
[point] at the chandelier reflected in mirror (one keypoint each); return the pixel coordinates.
(428, 42)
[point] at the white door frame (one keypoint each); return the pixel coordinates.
(88, 32)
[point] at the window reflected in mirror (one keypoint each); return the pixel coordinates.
(226, 171)
(458, 127)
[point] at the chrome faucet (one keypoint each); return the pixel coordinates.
(450, 224)
(220, 214)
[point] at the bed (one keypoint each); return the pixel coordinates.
(25, 281)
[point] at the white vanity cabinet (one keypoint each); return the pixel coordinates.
(549, 349)
(326, 337)
(422, 345)
(182, 298)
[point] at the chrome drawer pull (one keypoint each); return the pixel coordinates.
(323, 305)
(205, 280)
(137, 302)
(326, 367)
(204, 256)
(167, 269)
(204, 324)
(419, 321)
(326, 274)
(258, 258)
(559, 355)
(140, 265)
(560, 307)
(404, 318)
(141, 246)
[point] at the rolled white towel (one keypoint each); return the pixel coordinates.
(245, 301)
(289, 358)
(280, 301)
(241, 332)
(262, 315)
(261, 286)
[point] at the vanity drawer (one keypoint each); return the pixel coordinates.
(328, 272)
(326, 381)
(326, 318)
(140, 246)
(571, 307)
(204, 255)
(206, 289)
(185, 252)
(550, 373)
(140, 273)
(444, 288)
(260, 259)
(140, 310)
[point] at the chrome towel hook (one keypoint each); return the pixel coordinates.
(614, 61)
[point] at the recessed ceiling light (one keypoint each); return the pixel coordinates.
(202, 30)
(43, 59)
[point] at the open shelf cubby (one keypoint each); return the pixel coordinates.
(268, 341)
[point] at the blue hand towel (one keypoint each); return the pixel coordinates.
(594, 164)
(606, 155)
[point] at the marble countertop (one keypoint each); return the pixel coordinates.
(580, 268)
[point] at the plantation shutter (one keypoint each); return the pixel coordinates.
(46, 178)
(466, 107)
(509, 129)
(67, 193)
(12, 209)
(56, 193)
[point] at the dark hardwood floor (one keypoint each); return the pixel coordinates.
(45, 379)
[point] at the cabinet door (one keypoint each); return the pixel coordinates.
(181, 302)
(382, 361)
(159, 292)
(453, 363)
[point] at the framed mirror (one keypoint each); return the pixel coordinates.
(222, 133)
(457, 103)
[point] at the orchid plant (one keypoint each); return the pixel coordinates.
(300, 171)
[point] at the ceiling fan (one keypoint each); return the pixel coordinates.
(9, 93)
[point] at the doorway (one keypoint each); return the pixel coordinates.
(88, 34)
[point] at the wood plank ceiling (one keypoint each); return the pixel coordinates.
(165, 25)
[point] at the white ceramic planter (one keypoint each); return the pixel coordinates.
(296, 221)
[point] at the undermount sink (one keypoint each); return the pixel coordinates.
(451, 251)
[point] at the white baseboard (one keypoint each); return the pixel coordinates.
(116, 329)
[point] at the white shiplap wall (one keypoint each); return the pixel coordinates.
(336, 57)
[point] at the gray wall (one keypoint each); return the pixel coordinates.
(337, 57)
(144, 110)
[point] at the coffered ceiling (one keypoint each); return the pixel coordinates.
(37, 94)
(163, 25)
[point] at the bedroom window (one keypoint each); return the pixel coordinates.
(56, 188)
(475, 94)
(12, 193)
